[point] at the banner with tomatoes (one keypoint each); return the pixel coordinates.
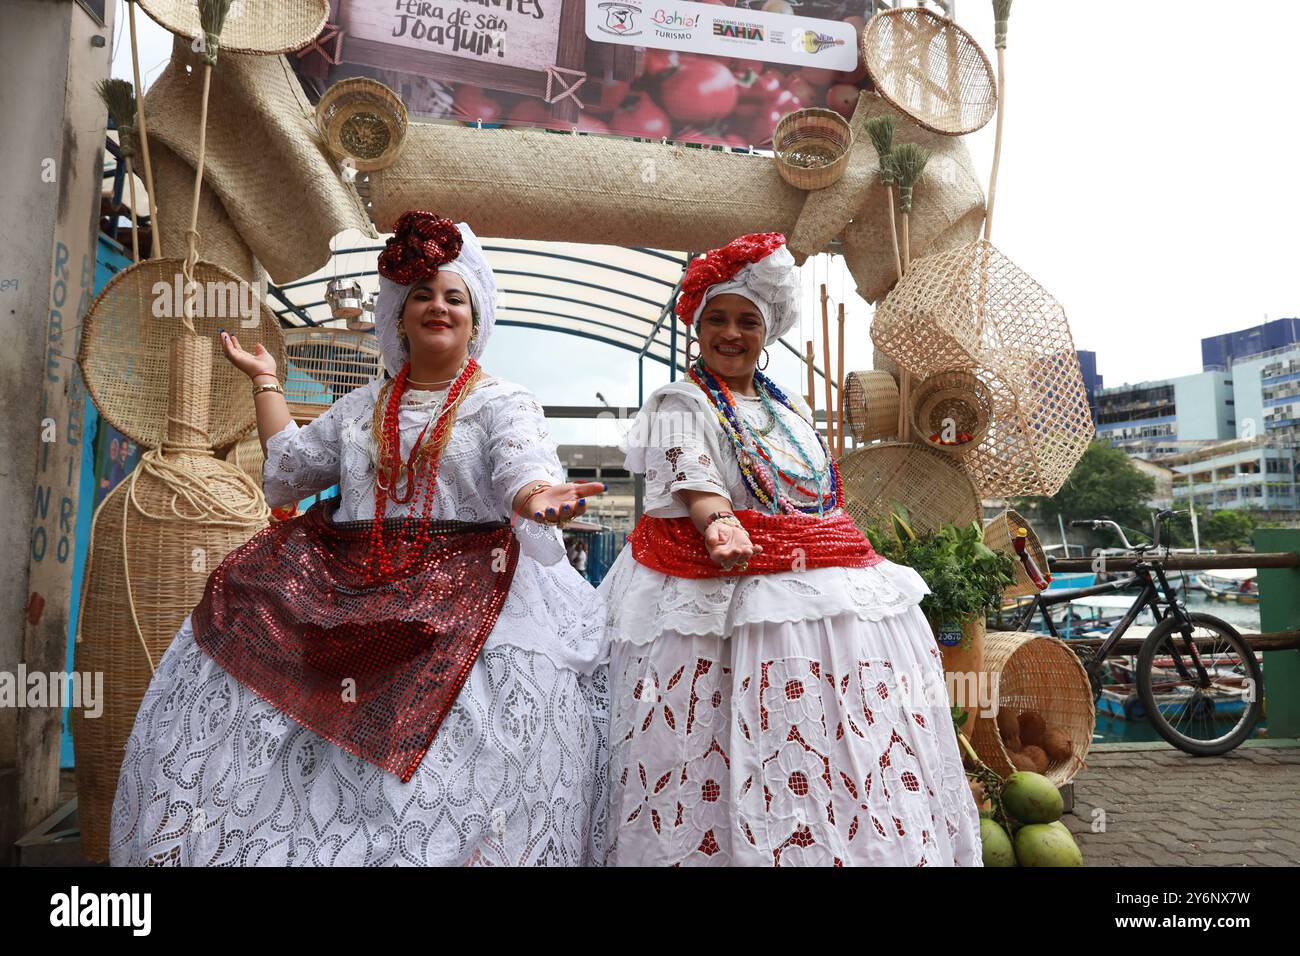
(720, 72)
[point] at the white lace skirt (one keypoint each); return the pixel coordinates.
(797, 743)
(213, 775)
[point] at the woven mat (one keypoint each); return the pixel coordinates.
(264, 161)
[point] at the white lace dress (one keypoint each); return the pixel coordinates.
(797, 718)
(215, 775)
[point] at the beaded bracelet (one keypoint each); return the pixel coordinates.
(726, 517)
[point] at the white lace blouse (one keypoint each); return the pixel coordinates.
(499, 444)
(678, 443)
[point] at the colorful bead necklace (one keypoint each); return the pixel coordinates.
(421, 465)
(750, 448)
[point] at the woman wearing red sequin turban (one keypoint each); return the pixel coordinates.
(776, 694)
(425, 689)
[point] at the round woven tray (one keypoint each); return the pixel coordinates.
(812, 133)
(931, 69)
(251, 26)
(125, 347)
(998, 532)
(871, 405)
(362, 122)
(932, 486)
(1036, 673)
(954, 399)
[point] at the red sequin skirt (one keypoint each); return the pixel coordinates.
(372, 662)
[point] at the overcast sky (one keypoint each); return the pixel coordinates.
(1148, 182)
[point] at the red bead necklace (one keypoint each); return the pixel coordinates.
(421, 478)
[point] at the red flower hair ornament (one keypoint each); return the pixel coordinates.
(757, 266)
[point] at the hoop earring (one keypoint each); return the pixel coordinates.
(766, 359)
(693, 341)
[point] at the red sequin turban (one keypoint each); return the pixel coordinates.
(758, 267)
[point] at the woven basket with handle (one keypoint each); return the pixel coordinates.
(1036, 673)
(871, 405)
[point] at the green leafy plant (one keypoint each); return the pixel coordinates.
(965, 576)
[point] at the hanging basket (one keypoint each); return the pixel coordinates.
(871, 405)
(1042, 674)
(812, 147)
(154, 540)
(127, 334)
(931, 69)
(931, 485)
(362, 122)
(953, 402)
(998, 533)
(251, 26)
(974, 309)
(326, 364)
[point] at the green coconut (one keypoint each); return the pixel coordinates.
(996, 843)
(1046, 844)
(1032, 798)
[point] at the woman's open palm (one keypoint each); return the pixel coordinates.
(257, 362)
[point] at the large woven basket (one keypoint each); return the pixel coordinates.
(807, 136)
(127, 334)
(931, 69)
(247, 455)
(251, 26)
(153, 545)
(871, 405)
(974, 309)
(954, 400)
(931, 485)
(1036, 673)
(362, 122)
(998, 532)
(326, 364)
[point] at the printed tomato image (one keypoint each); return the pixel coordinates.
(471, 104)
(532, 112)
(640, 116)
(699, 91)
(843, 99)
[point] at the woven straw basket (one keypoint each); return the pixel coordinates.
(252, 26)
(998, 532)
(974, 309)
(931, 485)
(362, 122)
(871, 405)
(812, 135)
(127, 334)
(153, 543)
(955, 399)
(931, 69)
(326, 364)
(1036, 673)
(247, 455)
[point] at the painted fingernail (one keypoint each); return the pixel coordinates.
(604, 486)
(550, 511)
(582, 501)
(538, 516)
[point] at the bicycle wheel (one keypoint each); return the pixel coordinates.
(1202, 716)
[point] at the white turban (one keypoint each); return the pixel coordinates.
(772, 284)
(472, 266)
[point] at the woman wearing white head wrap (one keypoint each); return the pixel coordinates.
(426, 689)
(776, 693)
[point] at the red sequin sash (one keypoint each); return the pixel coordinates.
(790, 543)
(372, 662)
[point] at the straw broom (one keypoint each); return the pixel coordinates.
(119, 98)
(908, 162)
(880, 129)
(1001, 14)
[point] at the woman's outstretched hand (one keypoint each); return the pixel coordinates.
(562, 503)
(729, 547)
(258, 362)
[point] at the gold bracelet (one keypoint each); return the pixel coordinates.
(533, 492)
(274, 387)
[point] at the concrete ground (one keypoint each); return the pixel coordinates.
(1156, 806)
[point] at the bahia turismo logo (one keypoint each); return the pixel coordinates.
(102, 909)
(620, 19)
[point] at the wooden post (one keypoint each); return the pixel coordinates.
(826, 357)
(812, 382)
(839, 390)
(1279, 609)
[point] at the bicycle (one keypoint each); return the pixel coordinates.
(1183, 685)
